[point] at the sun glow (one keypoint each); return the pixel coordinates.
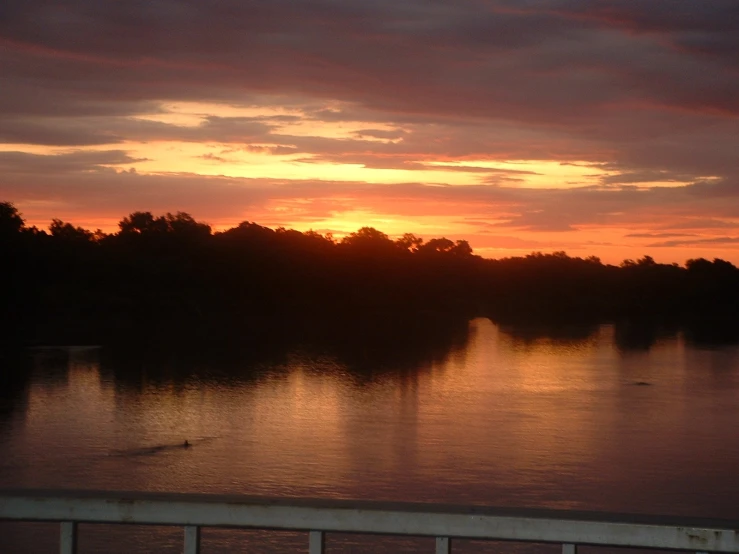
(292, 146)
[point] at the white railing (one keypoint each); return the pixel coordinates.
(320, 516)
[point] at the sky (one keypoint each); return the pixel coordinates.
(607, 128)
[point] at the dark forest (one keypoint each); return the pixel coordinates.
(170, 276)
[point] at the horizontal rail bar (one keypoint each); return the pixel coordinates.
(472, 522)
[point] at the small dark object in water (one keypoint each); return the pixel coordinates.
(638, 384)
(187, 444)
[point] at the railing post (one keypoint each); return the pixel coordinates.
(192, 539)
(316, 542)
(68, 538)
(569, 548)
(443, 545)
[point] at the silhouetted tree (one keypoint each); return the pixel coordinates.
(409, 242)
(367, 237)
(70, 233)
(462, 248)
(440, 245)
(11, 222)
(184, 224)
(369, 242)
(170, 274)
(141, 223)
(699, 265)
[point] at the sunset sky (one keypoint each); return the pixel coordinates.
(606, 128)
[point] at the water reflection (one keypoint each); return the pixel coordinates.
(487, 415)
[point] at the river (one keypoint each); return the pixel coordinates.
(503, 418)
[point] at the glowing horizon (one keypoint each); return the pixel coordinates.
(606, 132)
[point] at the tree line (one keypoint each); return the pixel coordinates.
(173, 275)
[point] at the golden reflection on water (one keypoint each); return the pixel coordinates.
(506, 419)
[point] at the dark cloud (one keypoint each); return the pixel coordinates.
(71, 162)
(67, 131)
(695, 242)
(701, 223)
(213, 158)
(391, 134)
(415, 56)
(657, 235)
(632, 177)
(96, 130)
(710, 28)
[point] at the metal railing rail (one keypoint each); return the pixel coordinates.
(317, 517)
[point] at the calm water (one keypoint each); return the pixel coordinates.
(499, 419)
